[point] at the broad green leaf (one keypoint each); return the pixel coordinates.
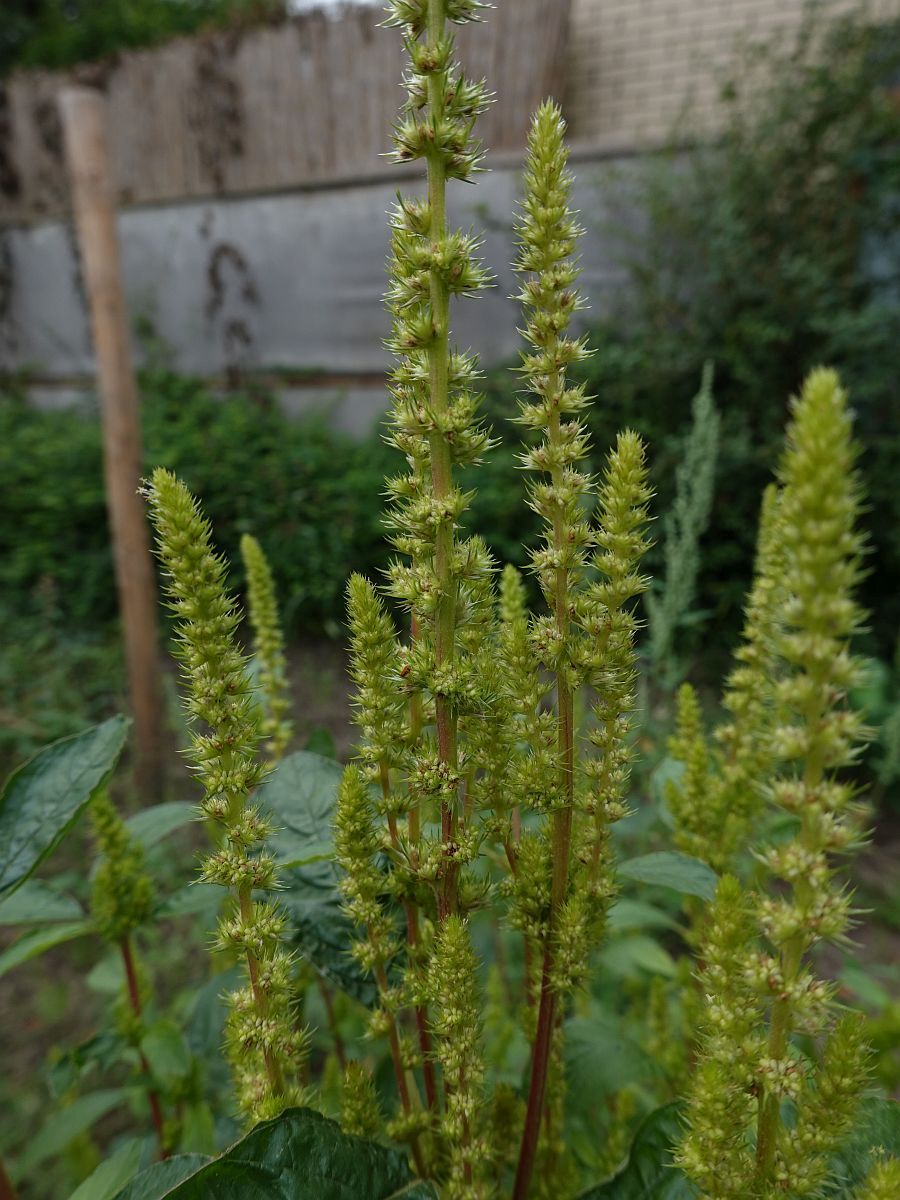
(67, 1124)
(301, 794)
(668, 868)
(97, 1053)
(34, 903)
(192, 899)
(628, 914)
(151, 825)
(157, 1181)
(166, 1052)
(648, 1173)
(320, 931)
(112, 1175)
(38, 941)
(600, 1056)
(43, 798)
(631, 955)
(301, 1155)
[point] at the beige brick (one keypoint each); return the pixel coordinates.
(634, 63)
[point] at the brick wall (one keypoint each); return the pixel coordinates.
(634, 65)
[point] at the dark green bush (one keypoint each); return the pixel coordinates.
(770, 252)
(59, 33)
(302, 487)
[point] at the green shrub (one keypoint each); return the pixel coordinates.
(768, 253)
(259, 470)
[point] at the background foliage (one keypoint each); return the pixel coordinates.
(60, 33)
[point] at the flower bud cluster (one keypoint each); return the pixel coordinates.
(720, 1097)
(360, 1113)
(791, 689)
(261, 1039)
(721, 792)
(452, 986)
(268, 647)
(122, 895)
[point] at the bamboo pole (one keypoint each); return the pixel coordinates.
(83, 112)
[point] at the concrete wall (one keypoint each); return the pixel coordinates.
(635, 64)
(287, 284)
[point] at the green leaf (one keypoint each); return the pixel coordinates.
(34, 903)
(877, 1129)
(668, 868)
(649, 1173)
(158, 1180)
(630, 956)
(301, 794)
(321, 932)
(67, 1124)
(151, 825)
(112, 1175)
(37, 941)
(628, 914)
(43, 798)
(600, 1056)
(192, 899)
(301, 1155)
(166, 1052)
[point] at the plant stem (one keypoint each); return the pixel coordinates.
(412, 938)
(561, 843)
(134, 997)
(400, 1074)
(328, 1001)
(441, 473)
(7, 1191)
(273, 1066)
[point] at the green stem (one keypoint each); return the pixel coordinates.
(442, 473)
(781, 1024)
(273, 1066)
(561, 847)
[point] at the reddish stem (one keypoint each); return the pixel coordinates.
(539, 1064)
(134, 996)
(328, 999)
(7, 1191)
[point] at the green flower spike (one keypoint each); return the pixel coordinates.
(817, 735)
(791, 689)
(360, 1114)
(587, 635)
(434, 420)
(268, 647)
(455, 994)
(264, 1046)
(122, 893)
(883, 1182)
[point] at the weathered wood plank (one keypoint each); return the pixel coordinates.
(231, 112)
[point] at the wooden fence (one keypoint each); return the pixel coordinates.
(306, 101)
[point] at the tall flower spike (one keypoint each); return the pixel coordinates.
(722, 790)
(716, 1152)
(434, 419)
(264, 1046)
(454, 991)
(122, 895)
(818, 733)
(587, 634)
(268, 646)
(812, 735)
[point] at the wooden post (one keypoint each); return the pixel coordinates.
(83, 112)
